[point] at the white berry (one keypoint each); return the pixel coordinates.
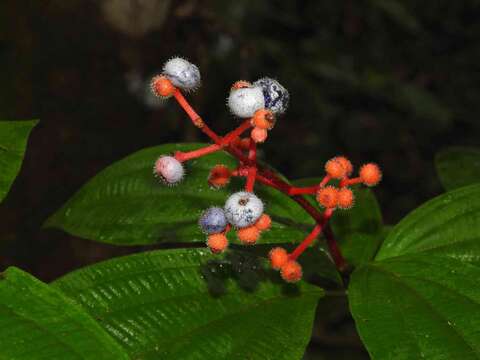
(169, 169)
(243, 209)
(182, 74)
(244, 102)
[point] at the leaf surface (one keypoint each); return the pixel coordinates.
(13, 142)
(458, 166)
(38, 322)
(125, 204)
(190, 304)
(420, 298)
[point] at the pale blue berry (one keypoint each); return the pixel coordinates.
(182, 73)
(213, 221)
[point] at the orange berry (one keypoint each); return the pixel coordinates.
(217, 242)
(278, 257)
(328, 196)
(370, 174)
(347, 164)
(240, 84)
(248, 235)
(161, 86)
(335, 169)
(219, 176)
(263, 119)
(291, 271)
(345, 198)
(264, 222)
(259, 135)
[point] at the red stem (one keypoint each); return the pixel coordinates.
(300, 191)
(306, 242)
(334, 250)
(185, 156)
(267, 177)
(274, 181)
(325, 181)
(252, 170)
(231, 136)
(196, 119)
(353, 181)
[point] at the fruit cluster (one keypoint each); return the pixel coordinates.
(260, 104)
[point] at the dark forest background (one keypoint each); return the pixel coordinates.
(388, 81)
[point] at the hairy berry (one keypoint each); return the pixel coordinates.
(278, 257)
(275, 95)
(169, 169)
(248, 235)
(243, 209)
(328, 196)
(264, 222)
(244, 102)
(217, 242)
(213, 221)
(182, 73)
(335, 169)
(370, 174)
(263, 119)
(347, 164)
(291, 271)
(219, 176)
(161, 86)
(345, 198)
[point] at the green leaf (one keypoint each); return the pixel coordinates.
(458, 166)
(190, 304)
(38, 322)
(13, 141)
(359, 248)
(125, 205)
(420, 298)
(359, 230)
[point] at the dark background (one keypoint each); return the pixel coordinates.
(388, 81)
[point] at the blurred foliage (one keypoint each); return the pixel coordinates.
(388, 81)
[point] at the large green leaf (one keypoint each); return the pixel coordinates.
(38, 322)
(420, 298)
(190, 304)
(458, 166)
(13, 141)
(124, 204)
